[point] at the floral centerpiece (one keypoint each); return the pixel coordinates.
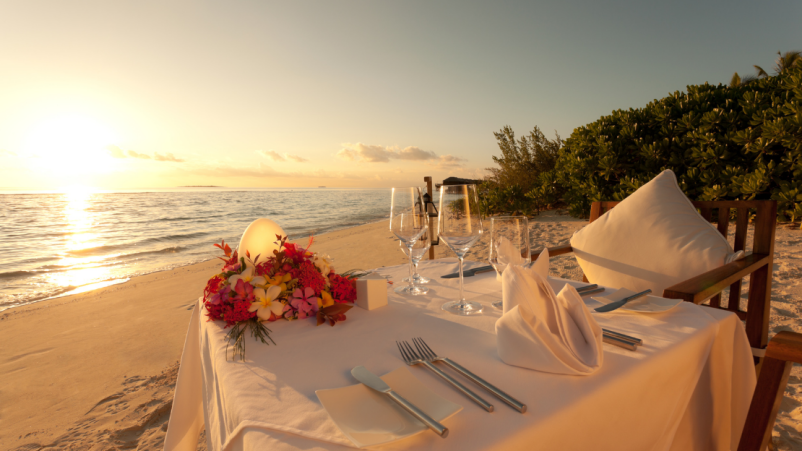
(291, 284)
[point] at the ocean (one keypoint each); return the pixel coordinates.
(54, 244)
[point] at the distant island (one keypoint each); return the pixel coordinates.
(321, 186)
(201, 186)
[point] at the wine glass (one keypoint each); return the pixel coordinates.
(459, 225)
(408, 222)
(418, 251)
(509, 244)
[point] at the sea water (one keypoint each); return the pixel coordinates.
(53, 244)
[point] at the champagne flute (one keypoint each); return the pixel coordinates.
(509, 244)
(418, 251)
(459, 226)
(408, 222)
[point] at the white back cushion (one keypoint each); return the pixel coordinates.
(654, 239)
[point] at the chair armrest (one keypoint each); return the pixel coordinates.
(786, 346)
(557, 250)
(703, 286)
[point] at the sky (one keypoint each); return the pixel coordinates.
(158, 94)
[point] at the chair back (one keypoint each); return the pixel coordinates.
(757, 310)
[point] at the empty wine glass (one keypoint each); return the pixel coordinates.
(408, 222)
(459, 226)
(418, 251)
(509, 244)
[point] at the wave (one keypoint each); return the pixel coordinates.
(167, 250)
(109, 248)
(15, 274)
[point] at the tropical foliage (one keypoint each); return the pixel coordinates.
(738, 142)
(524, 167)
(784, 61)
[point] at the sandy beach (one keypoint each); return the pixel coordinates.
(97, 370)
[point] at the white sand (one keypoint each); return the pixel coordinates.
(96, 371)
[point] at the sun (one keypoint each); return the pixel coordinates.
(72, 144)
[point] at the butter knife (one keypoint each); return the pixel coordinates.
(364, 375)
(468, 272)
(618, 304)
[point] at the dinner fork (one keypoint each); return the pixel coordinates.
(431, 356)
(412, 358)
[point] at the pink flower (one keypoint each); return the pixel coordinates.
(304, 302)
(244, 291)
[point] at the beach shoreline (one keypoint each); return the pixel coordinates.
(115, 281)
(96, 370)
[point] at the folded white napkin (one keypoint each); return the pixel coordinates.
(508, 254)
(544, 331)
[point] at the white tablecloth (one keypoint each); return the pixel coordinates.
(688, 387)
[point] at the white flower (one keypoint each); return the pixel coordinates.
(323, 263)
(248, 275)
(265, 302)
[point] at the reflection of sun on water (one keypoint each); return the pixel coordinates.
(80, 236)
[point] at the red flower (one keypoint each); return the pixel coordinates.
(229, 305)
(309, 276)
(342, 290)
(212, 286)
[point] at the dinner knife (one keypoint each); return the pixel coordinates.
(587, 288)
(618, 304)
(468, 272)
(364, 375)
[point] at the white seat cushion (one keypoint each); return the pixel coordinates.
(654, 239)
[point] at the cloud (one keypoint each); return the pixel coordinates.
(415, 153)
(296, 158)
(115, 151)
(143, 156)
(383, 154)
(450, 161)
(348, 155)
(167, 157)
(275, 156)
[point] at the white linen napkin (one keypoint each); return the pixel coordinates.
(544, 331)
(507, 254)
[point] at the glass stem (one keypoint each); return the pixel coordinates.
(411, 285)
(416, 276)
(461, 296)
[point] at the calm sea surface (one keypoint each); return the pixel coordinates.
(58, 243)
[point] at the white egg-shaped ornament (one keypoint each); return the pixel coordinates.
(260, 239)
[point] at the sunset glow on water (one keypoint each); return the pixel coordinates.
(82, 239)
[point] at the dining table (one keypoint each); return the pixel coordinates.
(688, 387)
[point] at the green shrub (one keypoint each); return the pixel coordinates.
(513, 187)
(742, 142)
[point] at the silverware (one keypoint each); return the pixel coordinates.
(431, 356)
(619, 342)
(618, 304)
(633, 340)
(412, 358)
(587, 288)
(593, 291)
(468, 272)
(363, 375)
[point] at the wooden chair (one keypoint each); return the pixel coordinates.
(782, 352)
(757, 265)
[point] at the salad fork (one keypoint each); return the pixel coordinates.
(412, 358)
(431, 356)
